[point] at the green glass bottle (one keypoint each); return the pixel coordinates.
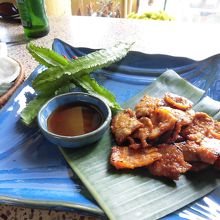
(33, 18)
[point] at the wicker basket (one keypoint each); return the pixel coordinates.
(4, 98)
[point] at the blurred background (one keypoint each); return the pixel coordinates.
(180, 10)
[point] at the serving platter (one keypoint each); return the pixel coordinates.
(33, 171)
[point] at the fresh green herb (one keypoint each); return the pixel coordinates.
(65, 89)
(32, 109)
(92, 87)
(81, 66)
(63, 75)
(46, 56)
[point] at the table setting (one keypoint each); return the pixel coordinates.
(153, 57)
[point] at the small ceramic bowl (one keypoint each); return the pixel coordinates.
(71, 98)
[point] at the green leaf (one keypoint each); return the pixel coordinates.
(46, 57)
(136, 194)
(211, 109)
(65, 89)
(217, 116)
(92, 87)
(82, 65)
(63, 86)
(30, 112)
(62, 75)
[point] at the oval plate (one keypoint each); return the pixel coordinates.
(34, 172)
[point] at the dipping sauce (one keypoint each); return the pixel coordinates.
(75, 119)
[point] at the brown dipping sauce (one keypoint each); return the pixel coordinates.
(75, 119)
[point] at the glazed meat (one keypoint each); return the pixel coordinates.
(147, 105)
(215, 132)
(198, 166)
(142, 134)
(189, 150)
(128, 158)
(163, 120)
(207, 151)
(178, 102)
(184, 118)
(171, 164)
(199, 128)
(210, 150)
(166, 136)
(124, 124)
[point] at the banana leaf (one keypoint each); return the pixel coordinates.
(135, 194)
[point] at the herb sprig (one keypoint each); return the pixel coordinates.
(62, 75)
